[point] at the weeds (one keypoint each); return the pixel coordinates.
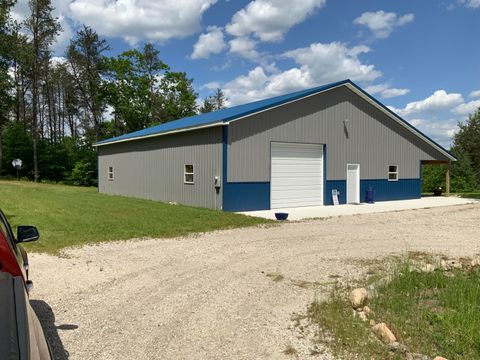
(434, 313)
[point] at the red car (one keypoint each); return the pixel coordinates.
(21, 336)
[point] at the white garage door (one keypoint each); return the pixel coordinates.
(297, 175)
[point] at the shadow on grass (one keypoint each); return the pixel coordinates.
(47, 319)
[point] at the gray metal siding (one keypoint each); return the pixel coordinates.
(371, 138)
(154, 168)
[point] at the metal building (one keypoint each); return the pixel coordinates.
(288, 151)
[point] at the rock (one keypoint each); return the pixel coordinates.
(453, 264)
(358, 297)
(362, 316)
(444, 265)
(439, 358)
(397, 347)
(372, 322)
(427, 268)
(384, 333)
(367, 311)
(475, 262)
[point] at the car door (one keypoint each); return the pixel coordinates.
(16, 250)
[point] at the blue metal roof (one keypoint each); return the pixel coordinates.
(221, 116)
(226, 115)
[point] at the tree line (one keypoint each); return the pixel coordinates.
(53, 109)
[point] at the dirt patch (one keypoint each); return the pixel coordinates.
(208, 297)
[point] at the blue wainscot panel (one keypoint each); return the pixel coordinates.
(340, 186)
(246, 196)
(384, 190)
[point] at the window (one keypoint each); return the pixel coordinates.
(110, 173)
(392, 172)
(188, 174)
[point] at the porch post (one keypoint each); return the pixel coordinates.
(447, 180)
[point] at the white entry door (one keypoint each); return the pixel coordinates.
(296, 175)
(353, 183)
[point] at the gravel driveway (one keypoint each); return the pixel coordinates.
(209, 296)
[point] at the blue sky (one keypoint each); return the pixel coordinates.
(421, 58)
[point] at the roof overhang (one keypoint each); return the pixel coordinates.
(176, 131)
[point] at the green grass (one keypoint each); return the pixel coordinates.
(71, 216)
(346, 336)
(472, 195)
(434, 313)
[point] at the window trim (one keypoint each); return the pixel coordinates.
(112, 173)
(185, 173)
(393, 173)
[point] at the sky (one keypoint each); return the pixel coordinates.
(420, 58)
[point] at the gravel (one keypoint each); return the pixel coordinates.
(210, 297)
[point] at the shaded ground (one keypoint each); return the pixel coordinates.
(209, 296)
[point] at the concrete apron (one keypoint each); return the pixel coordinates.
(309, 212)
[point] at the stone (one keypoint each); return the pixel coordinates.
(362, 316)
(367, 311)
(358, 297)
(384, 333)
(372, 322)
(427, 268)
(454, 264)
(397, 347)
(444, 265)
(475, 262)
(439, 358)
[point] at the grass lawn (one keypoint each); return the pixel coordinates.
(435, 313)
(69, 216)
(474, 195)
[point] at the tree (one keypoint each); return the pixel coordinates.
(143, 90)
(207, 106)
(467, 142)
(214, 102)
(86, 60)
(6, 84)
(178, 97)
(42, 28)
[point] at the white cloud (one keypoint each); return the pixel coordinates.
(58, 60)
(474, 4)
(269, 20)
(244, 47)
(467, 108)
(382, 23)
(134, 20)
(386, 91)
(332, 62)
(475, 94)
(394, 92)
(441, 131)
(258, 84)
(211, 42)
(439, 101)
(317, 64)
